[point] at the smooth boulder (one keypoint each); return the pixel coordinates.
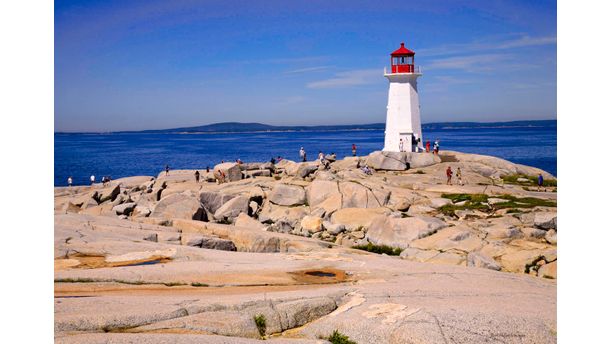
(390, 161)
(287, 195)
(182, 206)
(232, 208)
(399, 232)
(231, 172)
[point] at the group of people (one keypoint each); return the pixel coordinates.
(436, 146)
(415, 142)
(449, 176)
(92, 180)
(321, 156)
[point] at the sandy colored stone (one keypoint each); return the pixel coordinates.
(312, 224)
(287, 195)
(353, 218)
(183, 206)
(400, 232)
(548, 270)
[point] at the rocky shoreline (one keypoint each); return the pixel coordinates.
(251, 228)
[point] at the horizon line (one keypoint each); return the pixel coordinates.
(290, 126)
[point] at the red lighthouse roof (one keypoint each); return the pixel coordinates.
(403, 51)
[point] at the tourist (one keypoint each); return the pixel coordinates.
(207, 169)
(238, 161)
(104, 181)
(540, 182)
(428, 146)
(70, 181)
(279, 158)
(354, 150)
(273, 161)
(436, 146)
(197, 176)
(304, 160)
(449, 175)
(401, 145)
(167, 169)
(321, 155)
(366, 170)
(220, 176)
(302, 154)
(415, 144)
(92, 179)
(458, 174)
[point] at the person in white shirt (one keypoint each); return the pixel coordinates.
(302, 154)
(92, 179)
(70, 181)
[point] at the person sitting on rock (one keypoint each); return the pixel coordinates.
(220, 176)
(197, 176)
(366, 170)
(449, 175)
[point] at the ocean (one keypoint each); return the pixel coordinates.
(128, 154)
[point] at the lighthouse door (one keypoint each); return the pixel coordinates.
(405, 142)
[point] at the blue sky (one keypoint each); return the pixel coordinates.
(129, 65)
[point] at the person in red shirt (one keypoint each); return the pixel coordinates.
(354, 149)
(449, 175)
(427, 146)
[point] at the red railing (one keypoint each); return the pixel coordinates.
(406, 68)
(402, 68)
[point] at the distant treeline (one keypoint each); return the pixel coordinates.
(236, 127)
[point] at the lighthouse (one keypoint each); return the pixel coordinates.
(403, 127)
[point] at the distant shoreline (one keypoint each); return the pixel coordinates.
(235, 127)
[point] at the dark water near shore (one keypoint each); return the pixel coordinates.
(129, 154)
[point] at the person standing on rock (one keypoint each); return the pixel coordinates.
(401, 145)
(302, 154)
(540, 182)
(428, 146)
(70, 181)
(436, 146)
(354, 150)
(92, 179)
(449, 175)
(167, 169)
(458, 174)
(197, 176)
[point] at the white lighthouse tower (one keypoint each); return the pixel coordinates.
(403, 127)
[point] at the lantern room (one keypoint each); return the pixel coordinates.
(402, 60)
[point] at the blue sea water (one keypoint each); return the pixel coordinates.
(129, 154)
